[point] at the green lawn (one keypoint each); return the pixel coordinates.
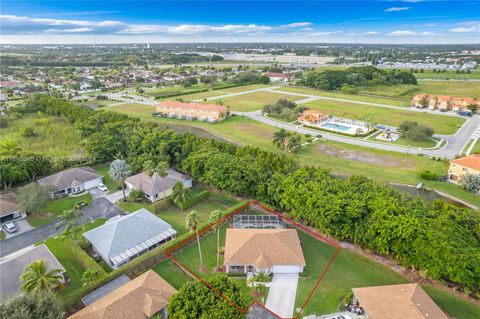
(107, 180)
(60, 247)
(428, 74)
(172, 274)
(63, 141)
(176, 217)
(476, 148)
(350, 270)
(380, 115)
(340, 158)
(403, 141)
(55, 208)
(361, 98)
(212, 93)
(255, 101)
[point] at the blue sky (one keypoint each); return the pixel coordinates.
(408, 21)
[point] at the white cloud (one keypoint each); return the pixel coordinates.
(405, 33)
(396, 9)
(74, 30)
(364, 33)
(19, 20)
(467, 27)
(297, 25)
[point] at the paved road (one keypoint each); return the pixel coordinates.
(455, 143)
(99, 208)
(282, 293)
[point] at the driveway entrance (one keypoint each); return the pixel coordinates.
(282, 293)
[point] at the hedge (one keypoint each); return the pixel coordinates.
(85, 260)
(161, 205)
(195, 199)
(74, 297)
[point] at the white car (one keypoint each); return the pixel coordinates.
(102, 187)
(9, 227)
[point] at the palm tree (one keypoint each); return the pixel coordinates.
(150, 169)
(69, 219)
(294, 142)
(214, 217)
(192, 223)
(119, 171)
(36, 277)
(180, 194)
(280, 137)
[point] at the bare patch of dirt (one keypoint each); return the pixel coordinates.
(366, 157)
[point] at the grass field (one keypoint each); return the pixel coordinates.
(55, 208)
(203, 95)
(62, 141)
(394, 117)
(428, 74)
(340, 158)
(61, 248)
(255, 101)
(350, 270)
(403, 141)
(454, 88)
(361, 98)
(176, 217)
(476, 148)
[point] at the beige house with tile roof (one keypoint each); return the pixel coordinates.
(141, 298)
(397, 302)
(263, 250)
(193, 111)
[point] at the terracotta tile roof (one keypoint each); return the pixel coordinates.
(277, 75)
(312, 116)
(263, 248)
(418, 97)
(8, 204)
(472, 161)
(140, 298)
(398, 302)
(192, 105)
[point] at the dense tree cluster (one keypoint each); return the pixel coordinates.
(196, 301)
(415, 132)
(32, 305)
(284, 110)
(250, 77)
(357, 76)
(440, 240)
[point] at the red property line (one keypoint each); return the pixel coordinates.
(169, 255)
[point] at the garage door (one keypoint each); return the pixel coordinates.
(93, 183)
(287, 269)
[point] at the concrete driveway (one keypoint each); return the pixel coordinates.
(25, 239)
(282, 293)
(115, 197)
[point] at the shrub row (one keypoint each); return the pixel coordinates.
(86, 261)
(195, 199)
(161, 205)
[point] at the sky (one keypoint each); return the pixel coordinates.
(380, 21)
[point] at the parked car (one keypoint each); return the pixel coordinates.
(9, 227)
(102, 187)
(80, 205)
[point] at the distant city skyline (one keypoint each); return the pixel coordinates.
(376, 22)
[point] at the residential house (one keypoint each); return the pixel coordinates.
(9, 208)
(156, 187)
(463, 165)
(12, 268)
(311, 117)
(263, 250)
(72, 181)
(397, 302)
(142, 298)
(125, 237)
(444, 102)
(193, 111)
(278, 77)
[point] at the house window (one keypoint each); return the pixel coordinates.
(464, 169)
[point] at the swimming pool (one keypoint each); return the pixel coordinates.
(336, 127)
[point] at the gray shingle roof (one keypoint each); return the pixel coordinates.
(124, 236)
(70, 177)
(156, 184)
(12, 268)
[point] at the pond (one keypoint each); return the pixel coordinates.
(426, 194)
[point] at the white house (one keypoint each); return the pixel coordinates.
(156, 187)
(278, 77)
(72, 181)
(126, 237)
(263, 250)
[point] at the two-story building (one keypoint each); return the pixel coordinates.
(193, 111)
(463, 165)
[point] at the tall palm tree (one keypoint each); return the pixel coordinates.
(69, 219)
(36, 277)
(119, 171)
(192, 222)
(180, 194)
(294, 143)
(279, 138)
(214, 217)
